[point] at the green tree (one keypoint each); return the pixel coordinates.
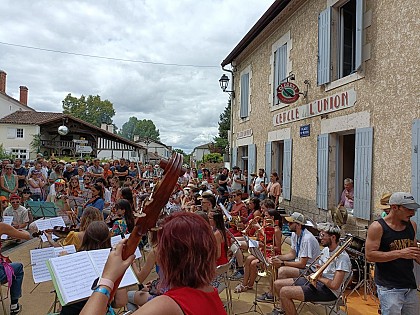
(3, 154)
(143, 128)
(213, 158)
(90, 109)
(221, 141)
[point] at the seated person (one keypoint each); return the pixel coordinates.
(239, 211)
(272, 236)
(328, 285)
(6, 268)
(19, 213)
(304, 250)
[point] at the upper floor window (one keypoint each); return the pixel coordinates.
(340, 29)
(13, 133)
(280, 70)
(245, 93)
(19, 133)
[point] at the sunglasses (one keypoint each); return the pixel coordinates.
(12, 202)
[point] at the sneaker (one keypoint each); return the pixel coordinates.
(276, 311)
(265, 297)
(237, 275)
(15, 309)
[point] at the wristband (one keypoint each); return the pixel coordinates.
(106, 282)
(103, 291)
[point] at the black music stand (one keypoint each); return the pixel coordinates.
(41, 209)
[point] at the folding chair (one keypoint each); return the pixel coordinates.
(335, 305)
(222, 272)
(3, 297)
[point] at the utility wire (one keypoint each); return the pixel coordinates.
(109, 58)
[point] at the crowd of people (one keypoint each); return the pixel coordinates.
(208, 210)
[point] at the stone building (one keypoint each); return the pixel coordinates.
(326, 90)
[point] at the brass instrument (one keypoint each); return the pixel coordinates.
(250, 224)
(236, 220)
(313, 278)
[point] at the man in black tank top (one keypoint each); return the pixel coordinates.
(391, 244)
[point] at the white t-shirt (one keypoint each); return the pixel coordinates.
(342, 262)
(257, 183)
(235, 185)
(309, 246)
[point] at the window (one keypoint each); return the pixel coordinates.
(20, 153)
(19, 133)
(245, 94)
(340, 40)
(280, 70)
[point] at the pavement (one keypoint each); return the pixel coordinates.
(37, 300)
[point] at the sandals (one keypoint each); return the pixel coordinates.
(242, 288)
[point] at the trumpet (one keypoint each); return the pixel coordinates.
(313, 278)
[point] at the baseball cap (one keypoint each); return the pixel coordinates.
(14, 196)
(60, 181)
(403, 199)
(296, 217)
(3, 198)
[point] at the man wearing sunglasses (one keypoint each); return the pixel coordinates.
(19, 213)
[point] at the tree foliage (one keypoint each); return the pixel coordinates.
(185, 155)
(143, 128)
(213, 158)
(221, 141)
(90, 109)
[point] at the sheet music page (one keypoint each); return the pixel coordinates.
(117, 238)
(99, 258)
(57, 221)
(40, 271)
(43, 224)
(8, 219)
(74, 274)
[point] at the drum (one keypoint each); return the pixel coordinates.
(358, 272)
(357, 247)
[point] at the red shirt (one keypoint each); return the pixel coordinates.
(197, 302)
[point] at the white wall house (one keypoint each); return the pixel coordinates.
(199, 152)
(156, 147)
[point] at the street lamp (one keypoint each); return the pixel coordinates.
(224, 82)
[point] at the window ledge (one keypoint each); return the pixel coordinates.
(343, 81)
(273, 108)
(242, 120)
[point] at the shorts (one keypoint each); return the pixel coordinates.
(319, 294)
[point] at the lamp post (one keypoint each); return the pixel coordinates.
(224, 82)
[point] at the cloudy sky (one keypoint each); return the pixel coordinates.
(183, 101)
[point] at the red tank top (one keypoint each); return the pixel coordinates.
(223, 256)
(197, 302)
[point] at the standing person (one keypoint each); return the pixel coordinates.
(237, 180)
(36, 183)
(133, 171)
(121, 171)
(95, 170)
(259, 185)
(21, 174)
(12, 273)
(274, 188)
(8, 181)
(391, 245)
(187, 257)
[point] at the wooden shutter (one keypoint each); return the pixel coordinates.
(287, 169)
(280, 69)
(363, 173)
(268, 158)
(234, 161)
(359, 35)
(415, 170)
(252, 157)
(324, 47)
(244, 95)
(322, 171)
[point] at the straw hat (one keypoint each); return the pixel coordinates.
(384, 201)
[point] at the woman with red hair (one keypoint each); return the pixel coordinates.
(186, 254)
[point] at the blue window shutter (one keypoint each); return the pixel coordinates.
(244, 95)
(363, 173)
(252, 160)
(280, 69)
(359, 34)
(234, 157)
(322, 172)
(287, 169)
(415, 170)
(268, 157)
(324, 47)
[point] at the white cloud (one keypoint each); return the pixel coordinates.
(183, 102)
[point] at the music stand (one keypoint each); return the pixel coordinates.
(41, 209)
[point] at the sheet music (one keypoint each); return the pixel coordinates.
(57, 221)
(40, 271)
(117, 238)
(227, 214)
(7, 219)
(48, 224)
(74, 274)
(99, 258)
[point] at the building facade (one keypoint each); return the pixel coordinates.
(355, 63)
